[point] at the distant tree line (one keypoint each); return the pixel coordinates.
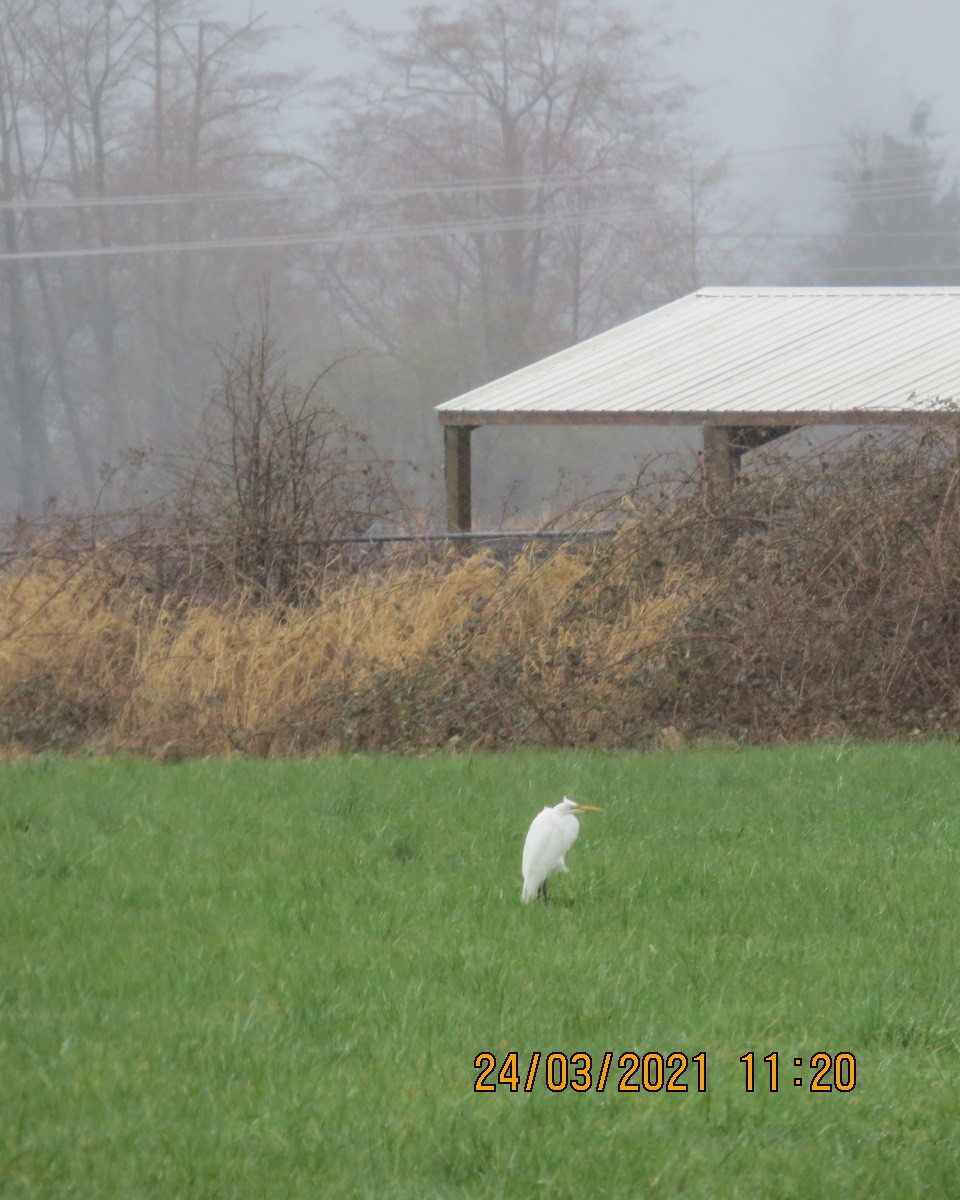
(494, 182)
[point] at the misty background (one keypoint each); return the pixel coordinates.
(417, 201)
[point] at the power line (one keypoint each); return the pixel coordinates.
(868, 192)
(891, 268)
(526, 223)
(495, 225)
(772, 157)
(588, 179)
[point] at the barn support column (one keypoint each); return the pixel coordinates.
(721, 458)
(456, 471)
(725, 445)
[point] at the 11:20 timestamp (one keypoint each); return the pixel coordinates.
(831, 1072)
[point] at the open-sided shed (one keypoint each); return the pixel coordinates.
(746, 364)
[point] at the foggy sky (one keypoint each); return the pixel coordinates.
(774, 76)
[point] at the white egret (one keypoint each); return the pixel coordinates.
(550, 836)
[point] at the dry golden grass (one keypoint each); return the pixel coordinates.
(85, 653)
(239, 670)
(68, 633)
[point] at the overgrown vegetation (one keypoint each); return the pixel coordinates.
(819, 597)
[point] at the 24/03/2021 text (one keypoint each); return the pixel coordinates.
(654, 1072)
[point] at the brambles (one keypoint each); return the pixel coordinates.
(819, 597)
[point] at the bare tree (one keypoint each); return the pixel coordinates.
(20, 374)
(204, 122)
(546, 140)
(85, 59)
(100, 103)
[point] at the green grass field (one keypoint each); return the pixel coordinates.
(271, 979)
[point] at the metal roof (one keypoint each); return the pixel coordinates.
(745, 356)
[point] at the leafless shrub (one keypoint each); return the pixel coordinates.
(276, 479)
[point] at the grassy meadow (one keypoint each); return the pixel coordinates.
(271, 978)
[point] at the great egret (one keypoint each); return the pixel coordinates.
(550, 836)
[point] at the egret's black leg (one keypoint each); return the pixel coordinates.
(542, 891)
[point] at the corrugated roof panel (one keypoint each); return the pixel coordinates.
(748, 351)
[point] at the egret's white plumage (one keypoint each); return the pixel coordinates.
(550, 836)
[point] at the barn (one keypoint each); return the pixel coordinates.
(745, 364)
